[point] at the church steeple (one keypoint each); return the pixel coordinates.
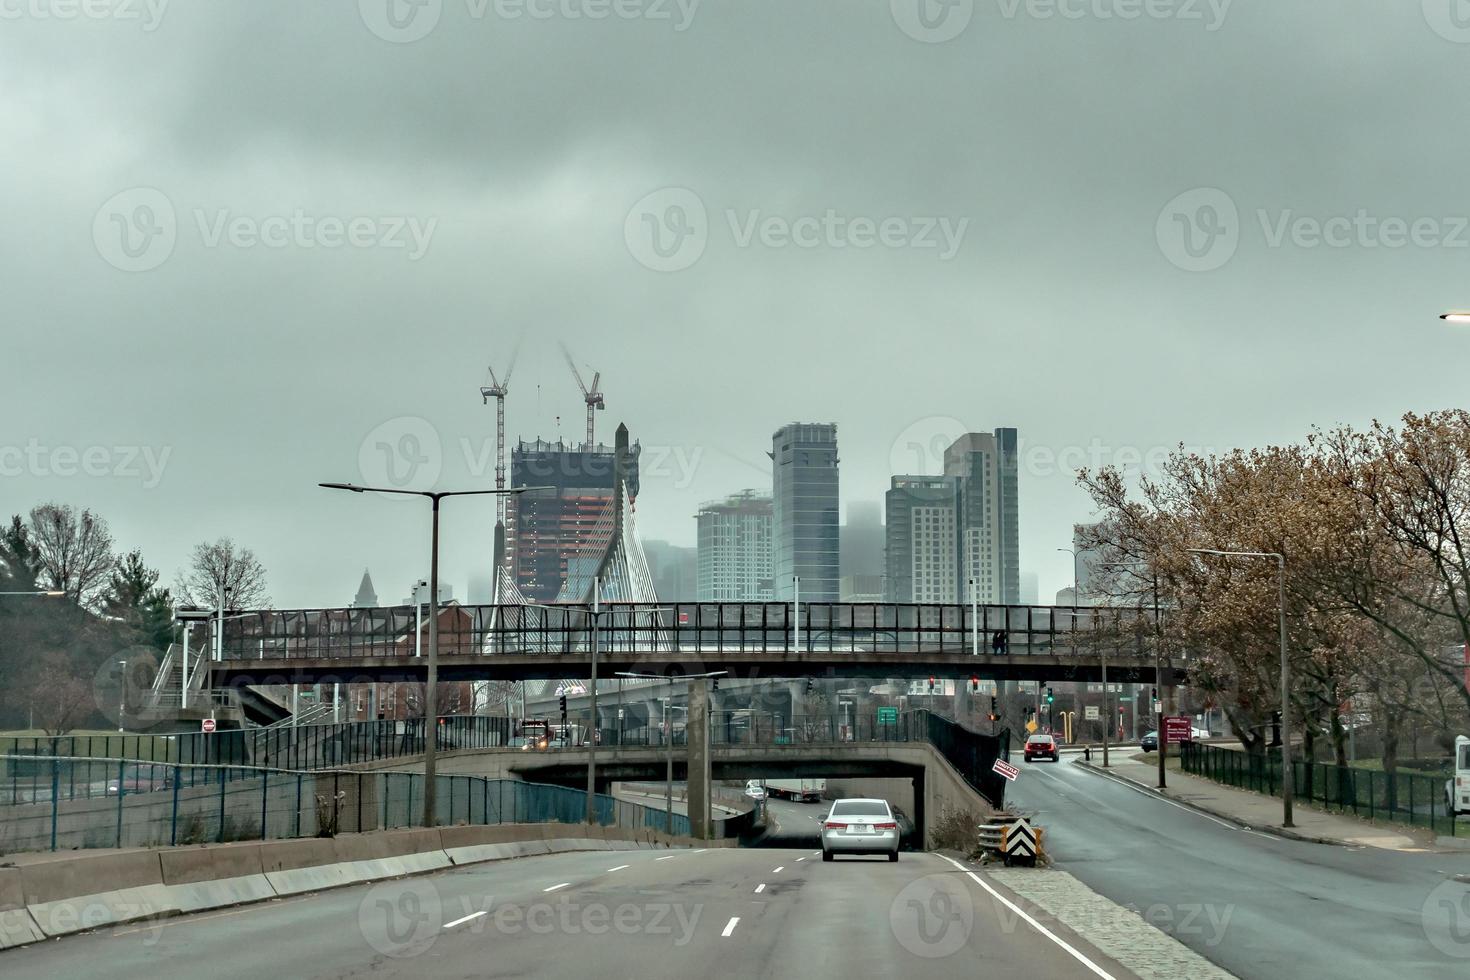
(367, 597)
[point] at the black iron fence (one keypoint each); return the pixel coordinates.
(1402, 797)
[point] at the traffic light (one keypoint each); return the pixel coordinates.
(1050, 697)
(974, 685)
(1155, 694)
(563, 700)
(715, 684)
(809, 685)
(994, 707)
(931, 685)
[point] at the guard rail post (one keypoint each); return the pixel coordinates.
(121, 790)
(173, 823)
(55, 803)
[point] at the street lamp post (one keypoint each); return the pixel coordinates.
(431, 671)
(1288, 777)
(1158, 664)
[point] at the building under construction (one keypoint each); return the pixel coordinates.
(548, 533)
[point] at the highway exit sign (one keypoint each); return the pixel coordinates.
(887, 716)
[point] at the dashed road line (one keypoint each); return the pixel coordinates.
(555, 887)
(667, 857)
(776, 871)
(468, 918)
(620, 867)
(760, 888)
(730, 927)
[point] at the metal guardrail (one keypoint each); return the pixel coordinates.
(1409, 798)
(146, 804)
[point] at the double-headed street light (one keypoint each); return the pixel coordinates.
(431, 705)
(1288, 776)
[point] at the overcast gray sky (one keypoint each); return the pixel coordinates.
(250, 241)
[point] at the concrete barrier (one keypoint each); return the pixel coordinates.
(17, 928)
(65, 916)
(63, 876)
(186, 865)
(201, 896)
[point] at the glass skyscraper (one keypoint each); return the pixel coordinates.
(805, 511)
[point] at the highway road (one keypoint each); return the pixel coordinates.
(1257, 905)
(676, 913)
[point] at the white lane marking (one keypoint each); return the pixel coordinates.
(730, 926)
(779, 870)
(460, 922)
(1036, 925)
(700, 851)
(815, 853)
(555, 887)
(801, 859)
(618, 868)
(667, 857)
(760, 888)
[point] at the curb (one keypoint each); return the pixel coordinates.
(1230, 818)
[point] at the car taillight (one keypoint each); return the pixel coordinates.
(886, 826)
(834, 825)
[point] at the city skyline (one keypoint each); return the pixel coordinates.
(1068, 319)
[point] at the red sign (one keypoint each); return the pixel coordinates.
(1177, 728)
(207, 725)
(1005, 769)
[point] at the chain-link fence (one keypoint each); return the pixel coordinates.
(1402, 797)
(135, 803)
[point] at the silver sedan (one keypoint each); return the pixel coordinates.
(860, 827)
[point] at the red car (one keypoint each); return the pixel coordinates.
(1041, 746)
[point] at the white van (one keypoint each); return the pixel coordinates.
(1457, 788)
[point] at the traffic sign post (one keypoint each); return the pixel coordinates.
(888, 716)
(1004, 768)
(1176, 729)
(207, 726)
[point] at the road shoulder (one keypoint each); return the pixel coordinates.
(1117, 934)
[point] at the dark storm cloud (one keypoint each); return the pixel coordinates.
(267, 236)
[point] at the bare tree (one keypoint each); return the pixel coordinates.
(222, 568)
(58, 698)
(72, 551)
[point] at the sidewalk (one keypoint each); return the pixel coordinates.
(1260, 812)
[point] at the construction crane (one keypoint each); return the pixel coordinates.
(592, 396)
(498, 389)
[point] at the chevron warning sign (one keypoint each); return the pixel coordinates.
(1019, 840)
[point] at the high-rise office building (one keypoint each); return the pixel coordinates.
(674, 569)
(921, 551)
(546, 531)
(860, 539)
(735, 548)
(989, 540)
(805, 511)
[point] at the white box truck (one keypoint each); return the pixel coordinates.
(1457, 788)
(805, 790)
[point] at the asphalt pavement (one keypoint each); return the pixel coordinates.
(1255, 904)
(675, 913)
